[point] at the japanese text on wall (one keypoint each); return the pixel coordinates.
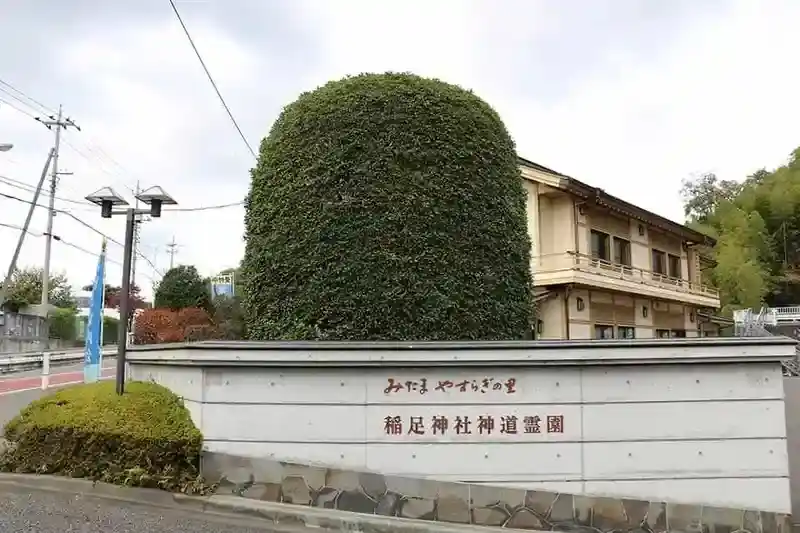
(480, 425)
(424, 385)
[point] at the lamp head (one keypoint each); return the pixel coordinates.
(155, 197)
(106, 198)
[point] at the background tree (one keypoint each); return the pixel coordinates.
(182, 287)
(387, 206)
(229, 318)
(757, 224)
(703, 195)
(112, 296)
(26, 289)
(63, 324)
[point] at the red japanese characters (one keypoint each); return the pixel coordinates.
(484, 385)
(481, 425)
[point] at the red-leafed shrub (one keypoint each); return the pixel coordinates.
(158, 326)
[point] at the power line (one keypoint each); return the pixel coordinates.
(203, 208)
(85, 224)
(28, 187)
(67, 243)
(52, 115)
(23, 94)
(100, 154)
(29, 232)
(211, 79)
(12, 106)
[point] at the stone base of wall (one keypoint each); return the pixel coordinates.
(462, 503)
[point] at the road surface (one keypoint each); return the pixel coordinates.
(21, 388)
(50, 512)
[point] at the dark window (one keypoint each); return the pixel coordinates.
(659, 262)
(600, 245)
(626, 332)
(603, 332)
(662, 333)
(674, 266)
(680, 333)
(622, 252)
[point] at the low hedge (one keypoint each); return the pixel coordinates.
(144, 438)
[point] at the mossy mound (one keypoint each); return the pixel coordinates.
(387, 207)
(145, 437)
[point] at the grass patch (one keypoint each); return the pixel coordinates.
(144, 438)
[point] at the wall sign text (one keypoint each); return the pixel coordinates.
(472, 425)
(423, 385)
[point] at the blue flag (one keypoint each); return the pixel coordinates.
(94, 324)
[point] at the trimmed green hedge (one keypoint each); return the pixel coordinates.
(387, 206)
(143, 438)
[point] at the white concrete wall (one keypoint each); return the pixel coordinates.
(711, 433)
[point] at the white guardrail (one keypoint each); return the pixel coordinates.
(21, 362)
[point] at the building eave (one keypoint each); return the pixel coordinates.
(599, 197)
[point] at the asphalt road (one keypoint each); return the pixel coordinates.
(49, 512)
(21, 388)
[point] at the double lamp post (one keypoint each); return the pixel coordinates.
(112, 204)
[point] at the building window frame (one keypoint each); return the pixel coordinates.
(665, 333)
(662, 333)
(658, 262)
(603, 331)
(600, 243)
(610, 249)
(626, 332)
(674, 266)
(622, 252)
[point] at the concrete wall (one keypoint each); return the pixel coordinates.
(711, 433)
(22, 333)
(791, 388)
(369, 493)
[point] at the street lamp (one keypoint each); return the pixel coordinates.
(107, 198)
(5, 147)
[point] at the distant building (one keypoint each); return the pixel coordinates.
(604, 268)
(83, 300)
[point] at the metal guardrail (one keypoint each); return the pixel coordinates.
(30, 360)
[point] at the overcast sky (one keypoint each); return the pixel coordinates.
(628, 95)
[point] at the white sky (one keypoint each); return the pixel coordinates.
(631, 96)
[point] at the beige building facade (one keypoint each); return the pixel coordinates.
(604, 268)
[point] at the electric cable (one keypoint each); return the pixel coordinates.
(211, 79)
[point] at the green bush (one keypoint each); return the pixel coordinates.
(110, 329)
(387, 207)
(143, 438)
(63, 324)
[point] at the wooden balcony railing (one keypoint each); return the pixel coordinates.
(551, 263)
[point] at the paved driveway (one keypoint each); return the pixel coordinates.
(48, 512)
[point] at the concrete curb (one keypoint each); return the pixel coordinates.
(282, 514)
(281, 517)
(86, 487)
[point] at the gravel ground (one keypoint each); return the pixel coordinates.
(50, 512)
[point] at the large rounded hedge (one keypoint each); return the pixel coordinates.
(387, 207)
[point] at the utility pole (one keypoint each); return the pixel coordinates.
(13, 265)
(135, 236)
(58, 123)
(173, 249)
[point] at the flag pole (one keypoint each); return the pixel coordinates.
(102, 309)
